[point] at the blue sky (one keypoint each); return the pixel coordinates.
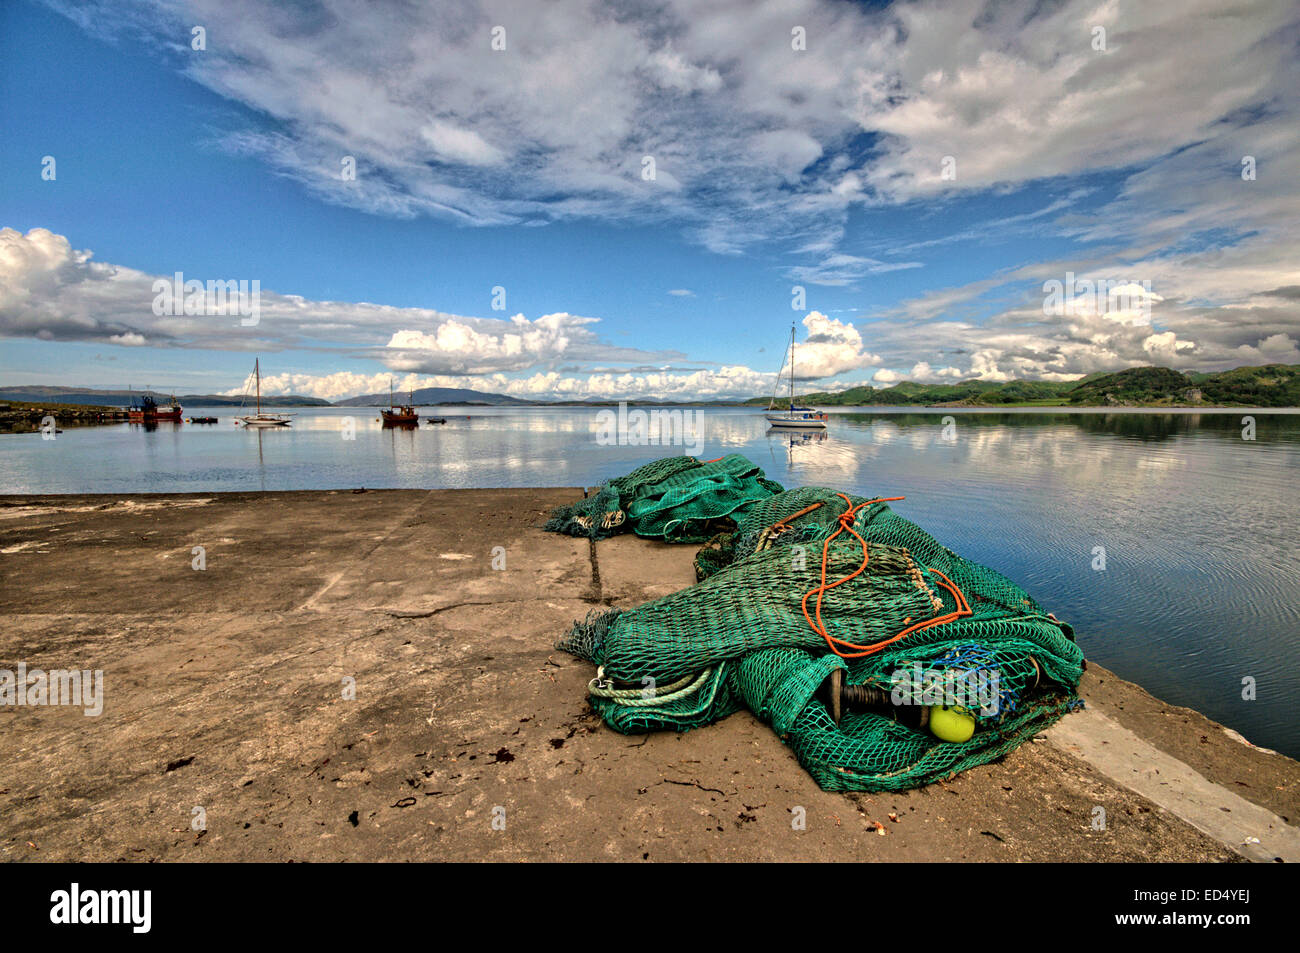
(920, 170)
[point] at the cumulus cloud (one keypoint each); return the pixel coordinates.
(51, 291)
(456, 346)
(830, 347)
(1029, 341)
(724, 383)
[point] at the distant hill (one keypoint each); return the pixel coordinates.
(432, 395)
(1269, 385)
(1135, 385)
(123, 398)
(902, 393)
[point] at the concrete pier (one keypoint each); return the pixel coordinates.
(229, 730)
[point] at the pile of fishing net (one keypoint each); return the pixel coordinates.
(677, 498)
(885, 660)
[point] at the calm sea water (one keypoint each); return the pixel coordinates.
(1201, 586)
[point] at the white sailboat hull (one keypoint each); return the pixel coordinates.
(803, 422)
(259, 420)
(794, 417)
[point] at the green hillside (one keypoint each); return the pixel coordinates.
(1270, 385)
(1135, 385)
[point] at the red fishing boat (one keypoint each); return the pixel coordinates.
(147, 411)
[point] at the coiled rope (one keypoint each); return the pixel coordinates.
(841, 647)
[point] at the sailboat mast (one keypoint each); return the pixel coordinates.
(257, 372)
(792, 326)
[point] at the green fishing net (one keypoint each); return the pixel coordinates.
(744, 635)
(676, 498)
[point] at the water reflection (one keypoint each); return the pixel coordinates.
(1153, 427)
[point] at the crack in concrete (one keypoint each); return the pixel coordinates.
(426, 613)
(399, 524)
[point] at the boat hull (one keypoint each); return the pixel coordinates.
(806, 422)
(400, 415)
(262, 423)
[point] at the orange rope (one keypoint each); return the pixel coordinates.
(850, 650)
(780, 526)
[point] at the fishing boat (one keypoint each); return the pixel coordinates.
(404, 415)
(259, 419)
(148, 411)
(435, 420)
(794, 416)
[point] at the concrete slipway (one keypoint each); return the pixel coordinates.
(223, 691)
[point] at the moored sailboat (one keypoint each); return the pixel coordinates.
(794, 416)
(260, 419)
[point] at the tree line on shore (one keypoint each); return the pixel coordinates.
(1268, 385)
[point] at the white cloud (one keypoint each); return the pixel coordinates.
(728, 382)
(1015, 93)
(52, 291)
(672, 71)
(840, 269)
(459, 145)
(455, 346)
(830, 347)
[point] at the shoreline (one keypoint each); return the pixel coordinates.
(27, 422)
(222, 692)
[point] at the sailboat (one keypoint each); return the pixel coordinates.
(260, 419)
(794, 416)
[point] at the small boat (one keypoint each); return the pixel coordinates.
(435, 420)
(202, 420)
(794, 417)
(148, 411)
(260, 420)
(400, 416)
